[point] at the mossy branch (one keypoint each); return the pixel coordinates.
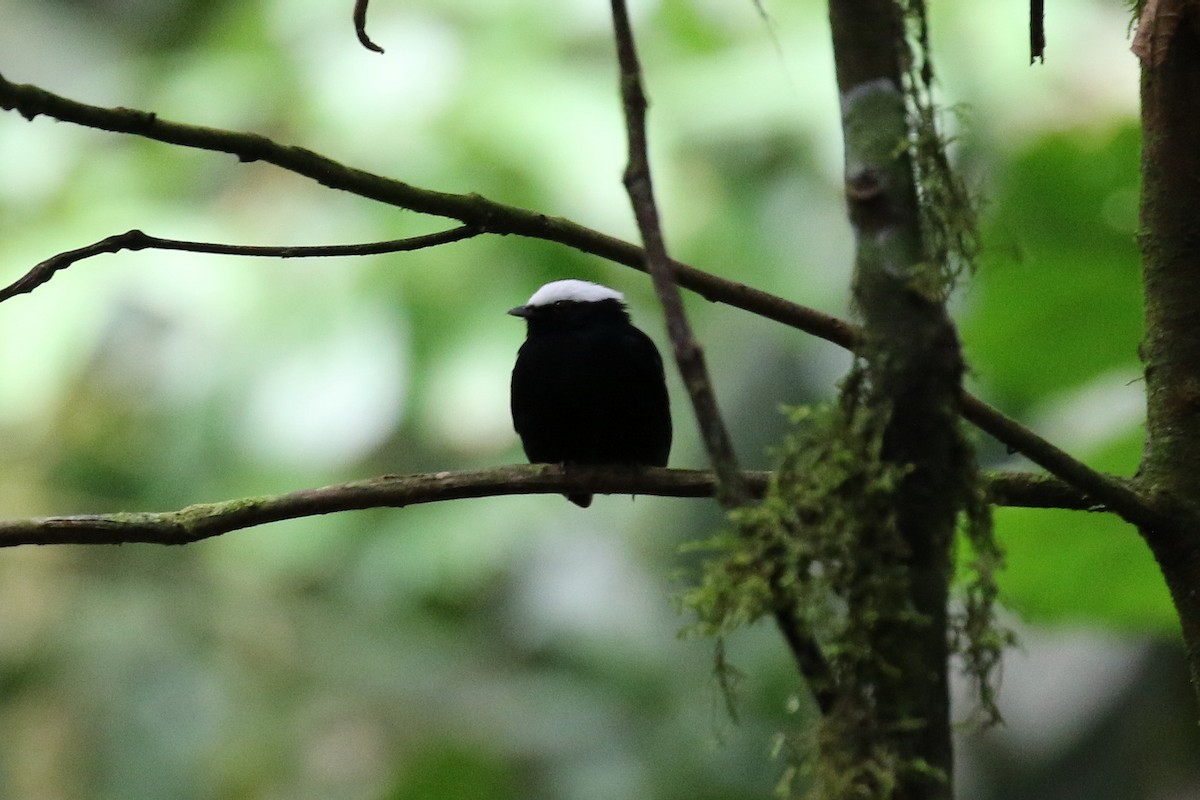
(205, 520)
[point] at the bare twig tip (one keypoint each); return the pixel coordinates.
(360, 26)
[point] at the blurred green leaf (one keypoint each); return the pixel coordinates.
(1068, 567)
(453, 772)
(1057, 298)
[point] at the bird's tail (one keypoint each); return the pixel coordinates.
(581, 500)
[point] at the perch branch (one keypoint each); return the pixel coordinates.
(136, 240)
(207, 520)
(689, 355)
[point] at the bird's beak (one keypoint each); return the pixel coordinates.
(519, 311)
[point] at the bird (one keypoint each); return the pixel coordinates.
(588, 387)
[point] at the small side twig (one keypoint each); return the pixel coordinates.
(1037, 31)
(731, 492)
(1034, 490)
(472, 209)
(689, 356)
(360, 26)
(137, 240)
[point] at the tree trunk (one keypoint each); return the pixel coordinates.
(912, 368)
(1170, 243)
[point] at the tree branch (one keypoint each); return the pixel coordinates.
(209, 519)
(1032, 490)
(206, 520)
(492, 217)
(136, 240)
(1121, 496)
(689, 355)
(470, 209)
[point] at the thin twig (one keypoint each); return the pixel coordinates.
(360, 26)
(136, 240)
(472, 209)
(689, 356)
(1037, 31)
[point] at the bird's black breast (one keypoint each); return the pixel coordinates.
(591, 396)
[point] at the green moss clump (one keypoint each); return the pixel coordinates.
(949, 223)
(823, 554)
(976, 636)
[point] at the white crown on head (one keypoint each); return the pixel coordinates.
(574, 291)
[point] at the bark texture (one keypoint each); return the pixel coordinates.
(912, 370)
(1170, 242)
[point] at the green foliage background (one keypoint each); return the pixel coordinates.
(515, 647)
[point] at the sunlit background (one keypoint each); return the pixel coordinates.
(516, 647)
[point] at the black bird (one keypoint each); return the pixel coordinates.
(588, 386)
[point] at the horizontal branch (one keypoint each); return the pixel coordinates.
(205, 520)
(492, 217)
